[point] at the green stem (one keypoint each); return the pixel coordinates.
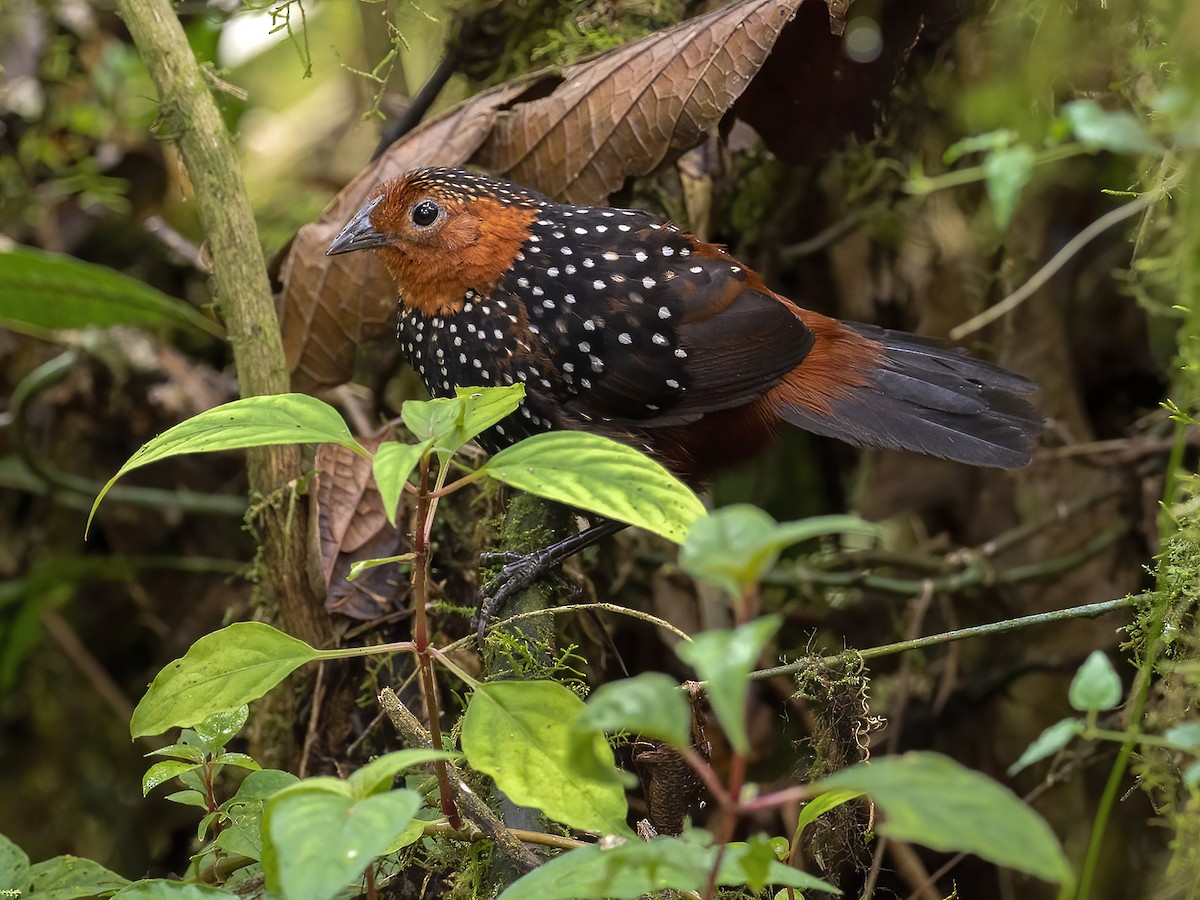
(1087, 611)
(923, 184)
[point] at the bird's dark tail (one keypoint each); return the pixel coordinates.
(867, 385)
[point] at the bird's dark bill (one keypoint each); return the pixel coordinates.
(359, 233)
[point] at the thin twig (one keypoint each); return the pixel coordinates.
(413, 734)
(1060, 259)
(1087, 611)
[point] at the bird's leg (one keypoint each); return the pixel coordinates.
(522, 569)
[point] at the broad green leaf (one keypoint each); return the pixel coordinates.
(164, 771)
(249, 422)
(449, 423)
(1006, 172)
(724, 660)
(261, 785)
(1096, 686)
(51, 290)
(239, 760)
(635, 868)
(316, 841)
(221, 671)
(483, 407)
(14, 867)
(70, 877)
(755, 863)
(599, 475)
(1185, 736)
(1191, 776)
(377, 775)
(649, 704)
(1048, 743)
(393, 463)
(929, 799)
(188, 798)
(519, 733)
(181, 751)
(822, 804)
(162, 889)
(1117, 131)
(216, 730)
(244, 810)
(734, 546)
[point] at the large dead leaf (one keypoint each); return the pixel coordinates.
(352, 526)
(576, 134)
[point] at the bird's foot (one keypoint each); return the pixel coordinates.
(517, 571)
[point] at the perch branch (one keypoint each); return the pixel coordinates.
(188, 116)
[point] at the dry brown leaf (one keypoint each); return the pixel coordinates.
(352, 526)
(636, 107)
(576, 135)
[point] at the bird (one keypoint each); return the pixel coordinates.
(620, 323)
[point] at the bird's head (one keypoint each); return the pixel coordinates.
(440, 233)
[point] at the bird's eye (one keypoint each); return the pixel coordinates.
(425, 213)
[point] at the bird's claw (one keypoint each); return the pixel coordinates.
(519, 570)
(516, 573)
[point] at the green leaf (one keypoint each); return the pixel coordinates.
(161, 889)
(164, 771)
(393, 463)
(1117, 131)
(181, 751)
(449, 423)
(930, 799)
(261, 785)
(1096, 686)
(69, 877)
(734, 546)
(519, 733)
(599, 475)
(1048, 743)
(216, 730)
(650, 704)
(360, 566)
(240, 760)
(377, 775)
(317, 839)
(1185, 736)
(249, 422)
(221, 671)
(755, 863)
(1191, 776)
(725, 659)
(1006, 172)
(635, 868)
(822, 804)
(243, 812)
(50, 290)
(188, 798)
(14, 867)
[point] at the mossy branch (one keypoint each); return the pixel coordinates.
(188, 116)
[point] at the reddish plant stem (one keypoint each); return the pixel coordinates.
(371, 895)
(421, 529)
(730, 812)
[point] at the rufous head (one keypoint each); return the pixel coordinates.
(440, 233)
